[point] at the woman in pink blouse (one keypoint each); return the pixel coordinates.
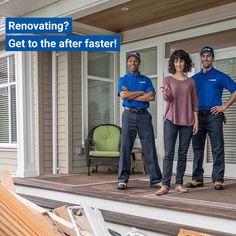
(180, 118)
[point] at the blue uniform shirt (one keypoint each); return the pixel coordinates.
(136, 82)
(210, 86)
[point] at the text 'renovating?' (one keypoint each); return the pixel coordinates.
(38, 25)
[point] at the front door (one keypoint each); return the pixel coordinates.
(225, 61)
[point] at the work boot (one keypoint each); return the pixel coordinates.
(194, 184)
(218, 186)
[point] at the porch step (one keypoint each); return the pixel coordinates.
(156, 226)
(179, 210)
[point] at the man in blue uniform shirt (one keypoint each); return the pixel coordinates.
(137, 90)
(210, 84)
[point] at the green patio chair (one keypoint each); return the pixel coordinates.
(102, 146)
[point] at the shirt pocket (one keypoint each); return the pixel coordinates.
(214, 83)
(142, 85)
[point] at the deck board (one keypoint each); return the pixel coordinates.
(204, 201)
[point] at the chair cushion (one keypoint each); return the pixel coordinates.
(106, 138)
(104, 154)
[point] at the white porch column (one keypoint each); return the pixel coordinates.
(26, 163)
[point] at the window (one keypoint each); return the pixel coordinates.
(100, 88)
(7, 100)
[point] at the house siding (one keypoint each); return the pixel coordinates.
(2, 46)
(63, 115)
(44, 113)
(61, 112)
(8, 160)
(78, 161)
(68, 67)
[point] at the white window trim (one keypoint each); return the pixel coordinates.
(8, 85)
(26, 162)
(7, 54)
(8, 146)
(100, 79)
(84, 85)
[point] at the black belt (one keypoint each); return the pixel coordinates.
(135, 110)
(204, 113)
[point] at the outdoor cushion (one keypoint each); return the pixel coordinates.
(106, 138)
(104, 153)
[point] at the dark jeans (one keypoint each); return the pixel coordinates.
(141, 123)
(170, 135)
(213, 126)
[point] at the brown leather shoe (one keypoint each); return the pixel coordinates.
(162, 191)
(181, 189)
(194, 184)
(218, 186)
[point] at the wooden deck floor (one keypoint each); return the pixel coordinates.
(204, 201)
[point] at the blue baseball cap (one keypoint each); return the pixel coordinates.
(207, 49)
(135, 54)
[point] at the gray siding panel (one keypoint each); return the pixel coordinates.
(44, 114)
(78, 161)
(63, 114)
(8, 160)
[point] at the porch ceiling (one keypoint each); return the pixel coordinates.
(137, 13)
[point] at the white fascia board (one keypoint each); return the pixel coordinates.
(74, 8)
(197, 19)
(174, 36)
(83, 29)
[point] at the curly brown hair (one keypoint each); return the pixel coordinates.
(182, 55)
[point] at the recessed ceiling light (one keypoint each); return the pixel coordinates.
(124, 8)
